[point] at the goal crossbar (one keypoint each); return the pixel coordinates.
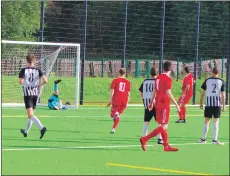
(41, 43)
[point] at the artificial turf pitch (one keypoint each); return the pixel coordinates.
(78, 142)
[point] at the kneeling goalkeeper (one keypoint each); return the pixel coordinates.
(54, 102)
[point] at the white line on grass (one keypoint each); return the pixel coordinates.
(92, 116)
(96, 147)
(99, 108)
(190, 108)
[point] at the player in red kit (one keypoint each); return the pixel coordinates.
(187, 93)
(119, 97)
(163, 85)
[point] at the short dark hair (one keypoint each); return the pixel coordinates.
(122, 71)
(187, 70)
(30, 58)
(167, 66)
(215, 70)
(153, 71)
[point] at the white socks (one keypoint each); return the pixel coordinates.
(28, 126)
(145, 129)
(215, 130)
(37, 122)
(205, 131)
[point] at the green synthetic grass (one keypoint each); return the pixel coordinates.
(90, 126)
(96, 90)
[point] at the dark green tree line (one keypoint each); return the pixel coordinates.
(64, 22)
(20, 20)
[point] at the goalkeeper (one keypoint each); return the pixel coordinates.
(54, 102)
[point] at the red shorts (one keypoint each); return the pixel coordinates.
(162, 115)
(117, 108)
(184, 99)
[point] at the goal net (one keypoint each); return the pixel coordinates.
(56, 60)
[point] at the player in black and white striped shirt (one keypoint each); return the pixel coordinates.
(29, 78)
(147, 90)
(215, 98)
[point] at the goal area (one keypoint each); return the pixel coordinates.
(56, 60)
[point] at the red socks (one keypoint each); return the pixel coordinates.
(183, 109)
(116, 122)
(153, 133)
(182, 113)
(164, 135)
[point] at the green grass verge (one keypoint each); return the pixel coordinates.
(89, 127)
(96, 90)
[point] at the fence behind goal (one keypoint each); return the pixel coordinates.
(139, 34)
(56, 60)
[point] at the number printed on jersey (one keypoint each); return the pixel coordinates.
(31, 77)
(214, 88)
(149, 87)
(122, 87)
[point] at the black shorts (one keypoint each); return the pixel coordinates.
(212, 112)
(30, 101)
(149, 115)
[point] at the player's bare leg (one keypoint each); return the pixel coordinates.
(205, 130)
(116, 120)
(215, 132)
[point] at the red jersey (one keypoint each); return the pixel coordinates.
(121, 88)
(162, 83)
(188, 80)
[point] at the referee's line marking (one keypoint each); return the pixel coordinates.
(155, 169)
(87, 116)
(96, 147)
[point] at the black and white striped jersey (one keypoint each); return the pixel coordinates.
(31, 78)
(147, 88)
(213, 87)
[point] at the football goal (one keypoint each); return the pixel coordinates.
(56, 60)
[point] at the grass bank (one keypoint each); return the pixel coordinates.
(96, 90)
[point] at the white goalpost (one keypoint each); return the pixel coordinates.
(56, 60)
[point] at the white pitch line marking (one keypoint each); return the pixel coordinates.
(96, 147)
(89, 116)
(191, 108)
